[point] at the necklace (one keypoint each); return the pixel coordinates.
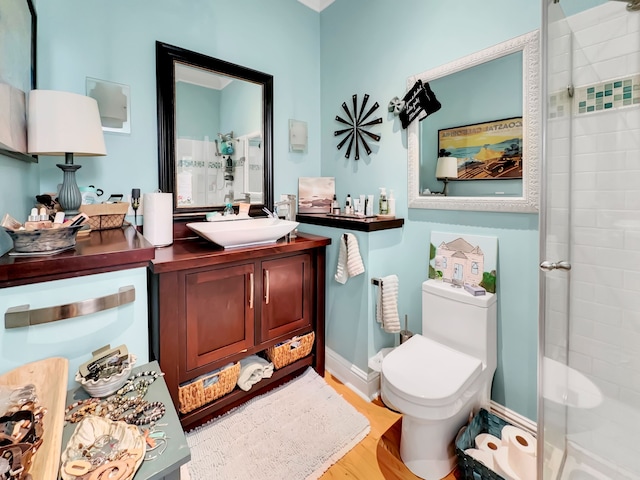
(115, 406)
(149, 412)
(140, 386)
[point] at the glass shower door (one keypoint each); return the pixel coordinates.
(589, 405)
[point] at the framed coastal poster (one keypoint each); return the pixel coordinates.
(17, 74)
(485, 151)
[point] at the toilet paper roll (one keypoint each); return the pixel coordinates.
(487, 442)
(521, 451)
(481, 456)
(501, 464)
(158, 218)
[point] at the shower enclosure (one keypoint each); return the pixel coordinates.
(589, 391)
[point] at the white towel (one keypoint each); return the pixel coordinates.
(349, 259)
(252, 370)
(387, 304)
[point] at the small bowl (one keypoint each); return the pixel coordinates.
(44, 240)
(103, 387)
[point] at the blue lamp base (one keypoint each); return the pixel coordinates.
(69, 196)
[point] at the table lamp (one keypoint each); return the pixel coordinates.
(63, 123)
(446, 169)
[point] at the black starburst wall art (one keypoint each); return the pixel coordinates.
(358, 123)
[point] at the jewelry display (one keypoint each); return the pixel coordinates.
(102, 449)
(21, 430)
(116, 406)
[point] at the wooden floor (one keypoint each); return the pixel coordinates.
(377, 457)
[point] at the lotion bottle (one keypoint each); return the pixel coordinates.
(383, 204)
(391, 204)
(335, 208)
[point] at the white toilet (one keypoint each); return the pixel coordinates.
(436, 379)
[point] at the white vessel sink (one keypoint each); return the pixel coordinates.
(256, 231)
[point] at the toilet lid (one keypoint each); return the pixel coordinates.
(428, 371)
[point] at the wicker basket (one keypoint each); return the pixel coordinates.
(284, 354)
(103, 216)
(198, 392)
(483, 422)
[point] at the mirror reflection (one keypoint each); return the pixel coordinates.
(479, 151)
(218, 138)
(214, 131)
(476, 129)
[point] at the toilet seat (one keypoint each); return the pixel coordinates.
(429, 380)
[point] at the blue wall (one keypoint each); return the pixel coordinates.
(115, 41)
(195, 106)
(372, 47)
(318, 61)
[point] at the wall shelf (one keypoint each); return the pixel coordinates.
(351, 222)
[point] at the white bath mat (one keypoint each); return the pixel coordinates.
(296, 431)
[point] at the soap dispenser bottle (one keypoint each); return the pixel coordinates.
(383, 204)
(391, 204)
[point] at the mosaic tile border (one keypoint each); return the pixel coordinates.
(618, 93)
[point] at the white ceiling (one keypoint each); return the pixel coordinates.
(317, 5)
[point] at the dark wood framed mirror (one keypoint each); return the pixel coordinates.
(215, 132)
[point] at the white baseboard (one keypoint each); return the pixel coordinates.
(514, 418)
(365, 385)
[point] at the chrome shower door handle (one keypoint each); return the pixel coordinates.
(548, 266)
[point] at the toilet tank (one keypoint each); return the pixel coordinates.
(456, 318)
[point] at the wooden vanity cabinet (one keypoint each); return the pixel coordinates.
(210, 307)
(287, 299)
(218, 312)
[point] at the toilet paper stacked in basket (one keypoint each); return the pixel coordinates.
(512, 457)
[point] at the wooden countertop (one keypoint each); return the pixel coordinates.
(197, 252)
(101, 251)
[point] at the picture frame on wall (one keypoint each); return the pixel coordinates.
(315, 194)
(485, 151)
(18, 24)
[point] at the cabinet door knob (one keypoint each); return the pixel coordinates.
(266, 287)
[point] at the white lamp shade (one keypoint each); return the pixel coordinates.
(64, 122)
(447, 167)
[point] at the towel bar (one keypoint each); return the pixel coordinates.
(22, 316)
(376, 281)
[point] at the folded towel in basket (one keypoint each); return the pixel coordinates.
(252, 370)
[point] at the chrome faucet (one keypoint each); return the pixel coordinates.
(291, 204)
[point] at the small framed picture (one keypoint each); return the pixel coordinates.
(315, 194)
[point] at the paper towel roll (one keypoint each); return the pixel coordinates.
(487, 442)
(481, 456)
(501, 464)
(158, 218)
(521, 451)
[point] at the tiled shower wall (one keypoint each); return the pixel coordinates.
(593, 182)
(605, 300)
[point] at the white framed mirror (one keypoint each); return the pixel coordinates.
(497, 87)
